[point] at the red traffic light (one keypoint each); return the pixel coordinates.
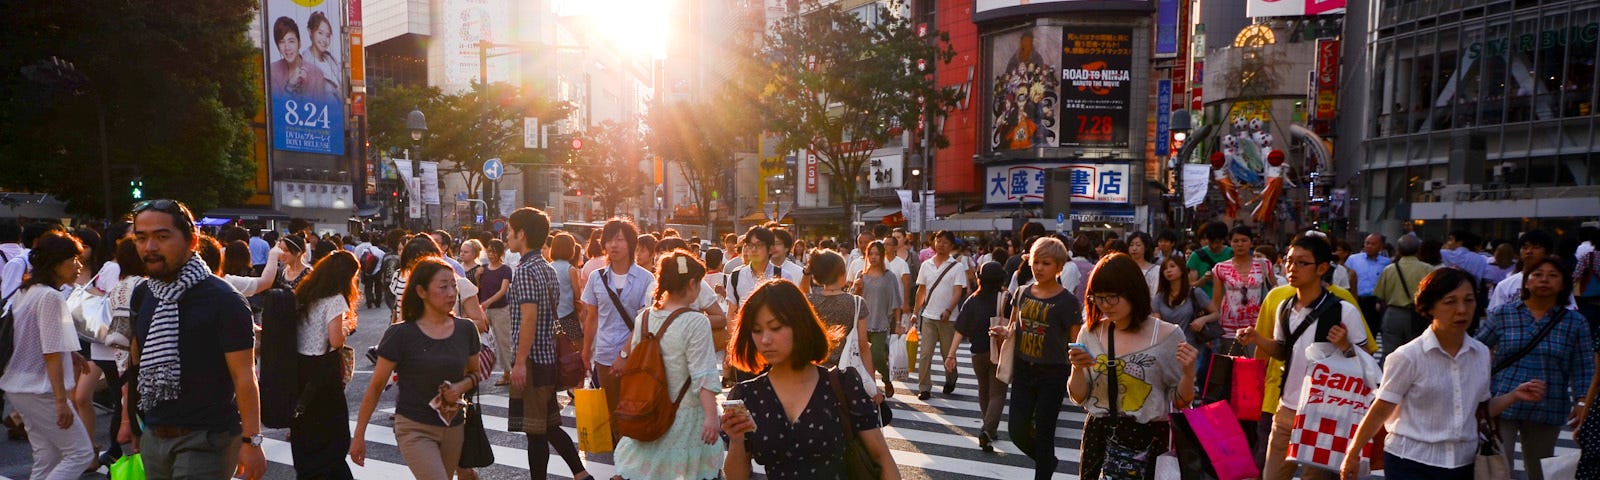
(577, 143)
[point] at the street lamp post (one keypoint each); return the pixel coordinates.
(417, 123)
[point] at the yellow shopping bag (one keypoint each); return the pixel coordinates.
(594, 421)
(911, 348)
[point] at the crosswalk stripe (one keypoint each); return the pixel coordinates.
(922, 437)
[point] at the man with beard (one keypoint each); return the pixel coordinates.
(194, 350)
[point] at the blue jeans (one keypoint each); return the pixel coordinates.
(1036, 394)
(1398, 468)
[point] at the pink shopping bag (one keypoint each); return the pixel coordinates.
(1249, 381)
(1225, 442)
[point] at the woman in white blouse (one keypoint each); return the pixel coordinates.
(1432, 388)
(38, 379)
(320, 432)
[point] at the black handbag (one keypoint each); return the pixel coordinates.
(476, 451)
(858, 463)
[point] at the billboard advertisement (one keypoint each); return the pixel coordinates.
(305, 75)
(1293, 8)
(1327, 78)
(1096, 183)
(1096, 87)
(465, 24)
(1024, 96)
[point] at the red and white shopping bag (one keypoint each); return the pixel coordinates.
(1335, 396)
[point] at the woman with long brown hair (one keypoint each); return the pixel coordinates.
(326, 299)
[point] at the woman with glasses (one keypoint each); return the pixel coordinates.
(39, 377)
(1147, 361)
(1044, 319)
(1238, 286)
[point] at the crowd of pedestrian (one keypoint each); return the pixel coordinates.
(205, 338)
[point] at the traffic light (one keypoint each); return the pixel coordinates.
(136, 188)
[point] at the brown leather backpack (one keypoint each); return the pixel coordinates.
(644, 412)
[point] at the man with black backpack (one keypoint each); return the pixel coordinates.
(759, 266)
(1334, 320)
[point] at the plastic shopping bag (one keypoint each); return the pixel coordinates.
(899, 362)
(1336, 394)
(129, 467)
(594, 421)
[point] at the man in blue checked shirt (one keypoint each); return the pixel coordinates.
(1563, 358)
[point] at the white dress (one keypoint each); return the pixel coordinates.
(689, 356)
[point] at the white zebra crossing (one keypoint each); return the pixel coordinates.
(934, 438)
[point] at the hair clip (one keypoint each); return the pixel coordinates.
(683, 265)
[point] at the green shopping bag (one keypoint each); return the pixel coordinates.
(129, 467)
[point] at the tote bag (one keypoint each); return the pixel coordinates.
(593, 419)
(1336, 394)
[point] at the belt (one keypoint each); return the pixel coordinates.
(169, 432)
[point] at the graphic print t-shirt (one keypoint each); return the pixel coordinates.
(1041, 335)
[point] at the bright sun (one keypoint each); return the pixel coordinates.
(634, 26)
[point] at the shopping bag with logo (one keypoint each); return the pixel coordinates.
(1335, 396)
(1225, 444)
(1249, 381)
(899, 362)
(593, 418)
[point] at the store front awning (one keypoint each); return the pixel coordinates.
(247, 214)
(877, 214)
(980, 221)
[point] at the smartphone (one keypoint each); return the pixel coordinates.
(737, 407)
(1078, 346)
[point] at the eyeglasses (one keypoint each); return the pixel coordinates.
(1106, 300)
(1297, 263)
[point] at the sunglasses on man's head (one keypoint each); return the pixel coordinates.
(158, 204)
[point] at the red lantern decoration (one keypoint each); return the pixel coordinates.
(1275, 158)
(1217, 160)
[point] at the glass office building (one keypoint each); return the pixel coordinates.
(1481, 115)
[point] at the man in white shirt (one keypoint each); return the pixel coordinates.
(1535, 246)
(1314, 316)
(857, 261)
(742, 281)
(783, 241)
(941, 286)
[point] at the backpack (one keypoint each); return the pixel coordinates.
(644, 412)
(8, 331)
(279, 373)
(369, 263)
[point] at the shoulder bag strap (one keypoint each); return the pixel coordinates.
(839, 402)
(1544, 331)
(627, 316)
(1111, 370)
(936, 280)
(1401, 272)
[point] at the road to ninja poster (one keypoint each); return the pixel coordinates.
(1025, 89)
(1096, 87)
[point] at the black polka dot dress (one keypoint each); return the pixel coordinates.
(813, 447)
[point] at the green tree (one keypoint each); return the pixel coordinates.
(841, 87)
(608, 166)
(466, 129)
(701, 139)
(179, 83)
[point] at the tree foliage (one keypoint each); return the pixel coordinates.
(608, 166)
(465, 129)
(841, 87)
(701, 138)
(179, 82)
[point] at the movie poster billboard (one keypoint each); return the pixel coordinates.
(1025, 90)
(1096, 87)
(465, 24)
(305, 75)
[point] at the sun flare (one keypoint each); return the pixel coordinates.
(633, 26)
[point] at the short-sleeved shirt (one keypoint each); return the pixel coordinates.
(882, 293)
(973, 321)
(311, 335)
(1045, 325)
(1184, 312)
(813, 446)
(941, 297)
(214, 321)
(1367, 270)
(1564, 359)
(1241, 302)
(1269, 320)
(612, 330)
(534, 281)
(1349, 316)
(1398, 283)
(1437, 395)
(742, 281)
(564, 305)
(1203, 259)
(43, 327)
(423, 362)
(837, 311)
(489, 280)
(1148, 378)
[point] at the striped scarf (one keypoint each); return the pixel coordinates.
(159, 370)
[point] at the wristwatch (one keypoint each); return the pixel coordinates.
(256, 440)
